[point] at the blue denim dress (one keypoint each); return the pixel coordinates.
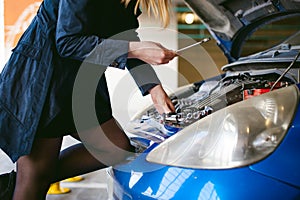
(36, 83)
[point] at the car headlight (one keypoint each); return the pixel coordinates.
(235, 136)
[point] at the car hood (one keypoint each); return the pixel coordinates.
(231, 22)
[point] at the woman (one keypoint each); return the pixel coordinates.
(36, 104)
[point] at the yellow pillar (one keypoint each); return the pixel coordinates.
(56, 189)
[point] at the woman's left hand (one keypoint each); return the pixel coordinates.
(161, 100)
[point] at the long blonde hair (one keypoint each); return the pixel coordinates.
(159, 8)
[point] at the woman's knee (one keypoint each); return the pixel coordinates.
(108, 143)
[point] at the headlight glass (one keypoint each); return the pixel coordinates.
(237, 135)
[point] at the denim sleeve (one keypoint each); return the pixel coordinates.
(143, 74)
(73, 40)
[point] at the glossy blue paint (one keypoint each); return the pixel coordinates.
(143, 180)
(171, 130)
(275, 177)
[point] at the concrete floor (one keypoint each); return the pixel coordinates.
(92, 187)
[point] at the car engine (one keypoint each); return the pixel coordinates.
(214, 95)
(205, 97)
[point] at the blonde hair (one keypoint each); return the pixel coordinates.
(159, 8)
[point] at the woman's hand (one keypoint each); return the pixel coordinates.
(150, 52)
(155, 54)
(161, 100)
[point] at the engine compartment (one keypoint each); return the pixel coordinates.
(214, 95)
(205, 97)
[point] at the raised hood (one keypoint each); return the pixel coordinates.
(231, 22)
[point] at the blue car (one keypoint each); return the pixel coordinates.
(233, 136)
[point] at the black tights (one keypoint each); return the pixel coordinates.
(103, 146)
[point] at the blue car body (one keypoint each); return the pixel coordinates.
(276, 176)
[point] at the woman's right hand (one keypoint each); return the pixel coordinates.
(150, 52)
(161, 100)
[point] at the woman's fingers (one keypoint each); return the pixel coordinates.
(161, 100)
(151, 52)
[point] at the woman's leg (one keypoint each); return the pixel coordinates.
(101, 147)
(35, 171)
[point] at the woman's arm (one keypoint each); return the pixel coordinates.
(74, 39)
